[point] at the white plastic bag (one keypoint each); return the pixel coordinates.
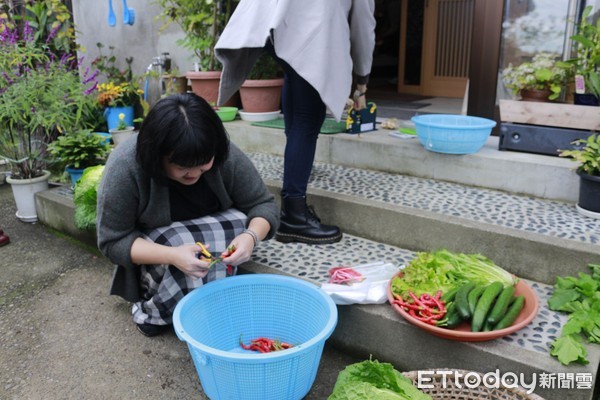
(372, 290)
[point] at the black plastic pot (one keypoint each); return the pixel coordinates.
(589, 192)
(586, 99)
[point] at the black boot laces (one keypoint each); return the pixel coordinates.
(311, 214)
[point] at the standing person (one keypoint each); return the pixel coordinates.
(180, 181)
(320, 45)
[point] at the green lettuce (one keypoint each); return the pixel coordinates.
(372, 380)
(444, 270)
(85, 195)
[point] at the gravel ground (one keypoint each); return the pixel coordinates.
(63, 337)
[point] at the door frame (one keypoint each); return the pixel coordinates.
(430, 85)
(483, 62)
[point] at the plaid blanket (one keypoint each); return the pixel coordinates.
(162, 286)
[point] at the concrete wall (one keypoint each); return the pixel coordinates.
(142, 40)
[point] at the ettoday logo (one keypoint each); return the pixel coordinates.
(496, 380)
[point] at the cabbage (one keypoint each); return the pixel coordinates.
(85, 196)
(370, 380)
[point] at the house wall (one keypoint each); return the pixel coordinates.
(142, 40)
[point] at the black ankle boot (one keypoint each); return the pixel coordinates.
(299, 223)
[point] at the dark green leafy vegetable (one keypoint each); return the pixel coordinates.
(580, 297)
(371, 379)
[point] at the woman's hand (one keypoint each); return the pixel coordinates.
(244, 245)
(185, 258)
(360, 101)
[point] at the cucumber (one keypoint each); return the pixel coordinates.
(449, 295)
(484, 304)
(462, 302)
(512, 313)
(473, 296)
(487, 327)
(452, 317)
(453, 320)
(502, 303)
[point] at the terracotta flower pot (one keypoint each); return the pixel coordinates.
(262, 95)
(539, 95)
(206, 85)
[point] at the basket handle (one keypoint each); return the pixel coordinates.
(202, 360)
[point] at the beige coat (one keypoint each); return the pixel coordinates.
(325, 41)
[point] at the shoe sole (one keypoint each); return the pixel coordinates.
(292, 238)
(153, 333)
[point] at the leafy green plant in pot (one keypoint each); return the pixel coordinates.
(42, 96)
(202, 22)
(79, 150)
(261, 91)
(541, 79)
(587, 61)
(588, 156)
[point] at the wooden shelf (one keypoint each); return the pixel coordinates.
(550, 114)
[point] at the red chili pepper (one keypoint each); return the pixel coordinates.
(409, 306)
(426, 308)
(265, 345)
(427, 320)
(416, 299)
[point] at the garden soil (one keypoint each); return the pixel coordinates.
(63, 337)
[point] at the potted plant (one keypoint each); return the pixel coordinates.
(261, 91)
(122, 131)
(42, 96)
(77, 151)
(588, 156)
(202, 21)
(586, 65)
(119, 98)
(541, 79)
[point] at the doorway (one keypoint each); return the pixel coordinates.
(422, 47)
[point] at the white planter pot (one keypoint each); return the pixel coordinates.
(24, 191)
(119, 136)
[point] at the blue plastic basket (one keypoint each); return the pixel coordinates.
(452, 134)
(212, 319)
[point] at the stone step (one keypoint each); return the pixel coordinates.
(377, 330)
(535, 175)
(533, 238)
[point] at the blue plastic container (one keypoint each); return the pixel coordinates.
(215, 317)
(75, 174)
(104, 135)
(112, 116)
(452, 134)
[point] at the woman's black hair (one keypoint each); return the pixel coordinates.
(184, 128)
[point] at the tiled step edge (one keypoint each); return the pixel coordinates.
(526, 254)
(531, 174)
